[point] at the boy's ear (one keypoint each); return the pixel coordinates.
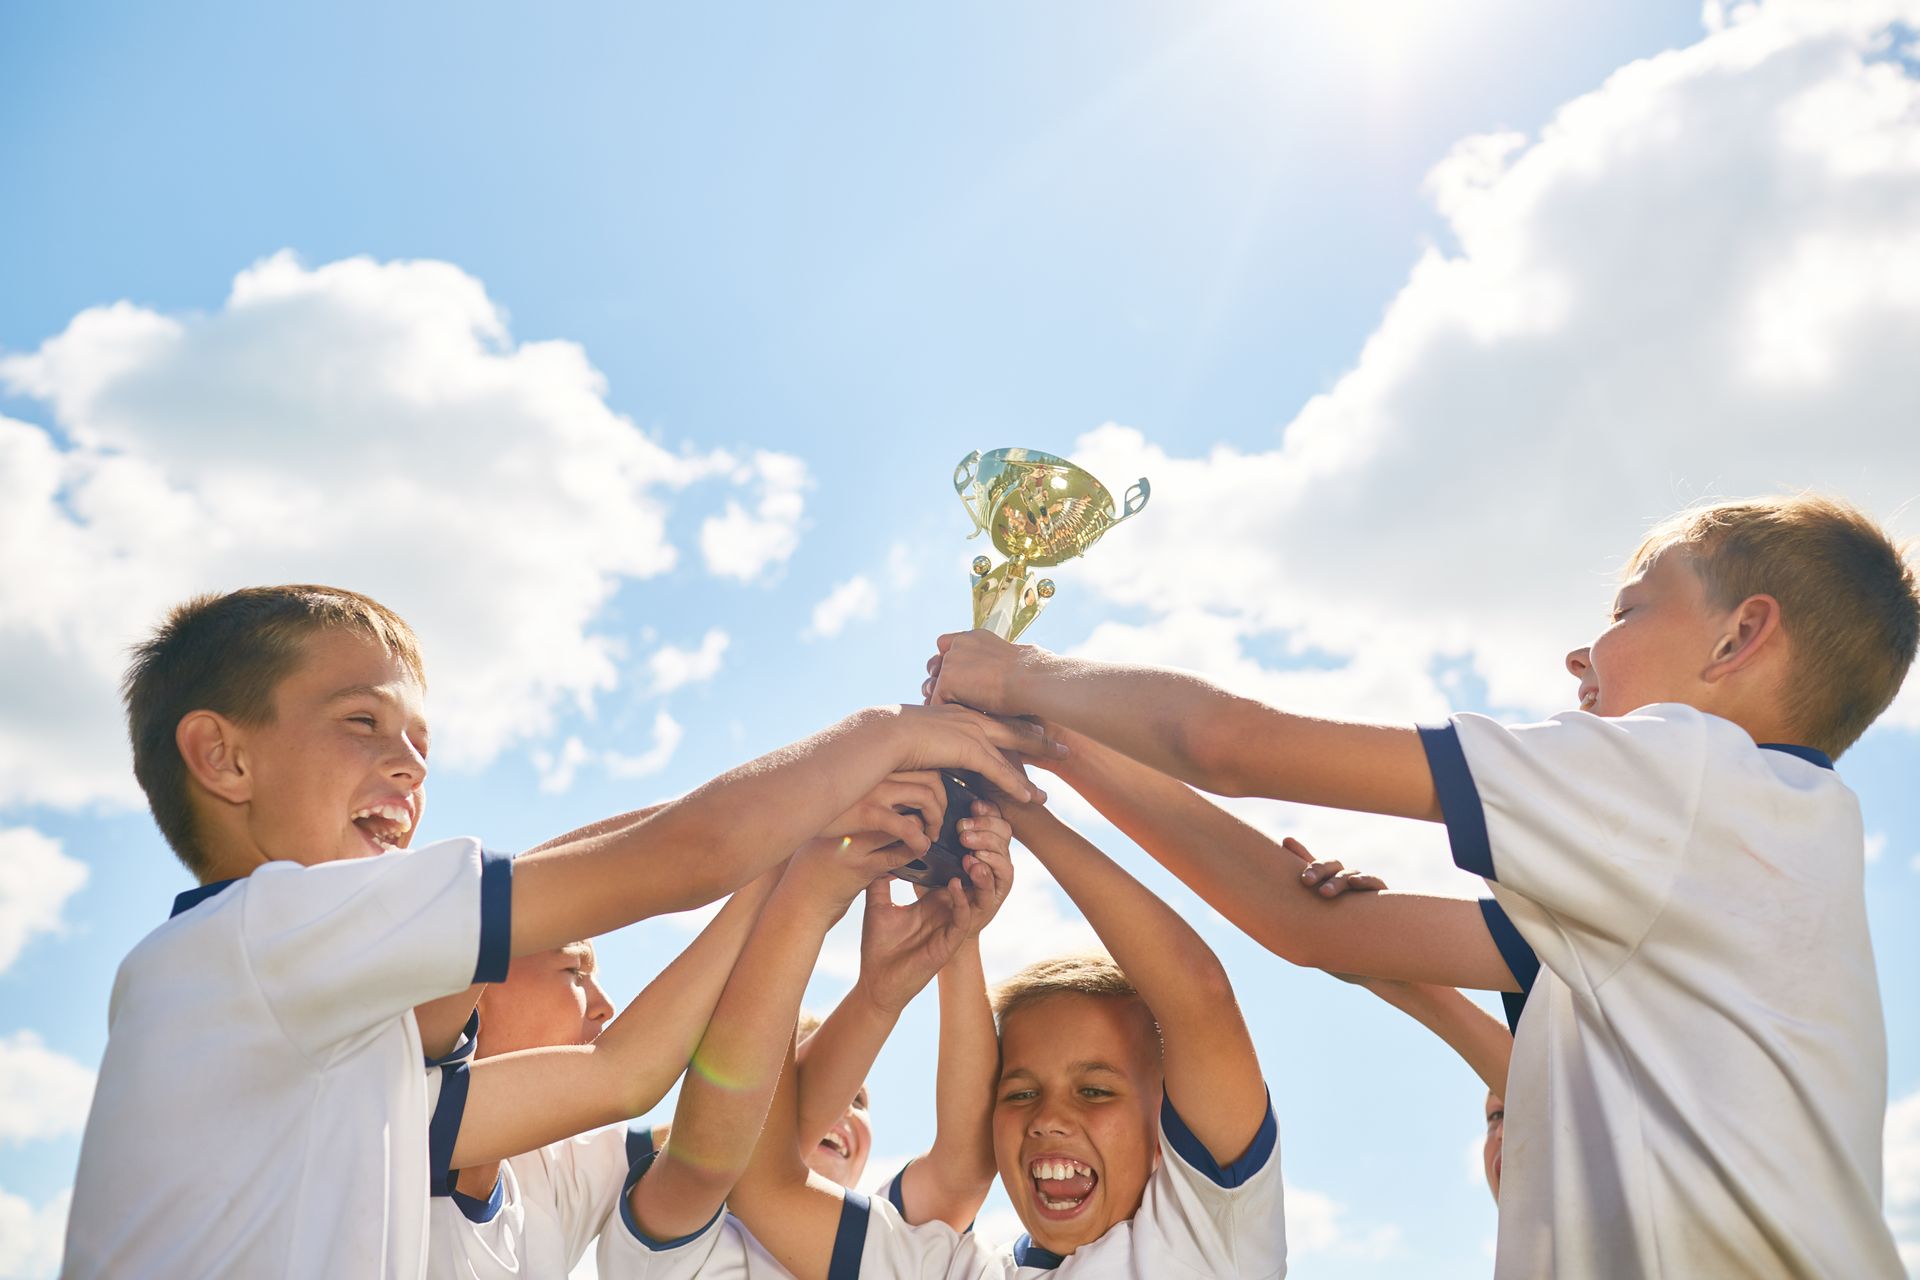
(209, 744)
(1750, 631)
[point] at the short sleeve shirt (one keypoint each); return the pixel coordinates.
(1698, 1087)
(261, 1108)
(722, 1250)
(1197, 1220)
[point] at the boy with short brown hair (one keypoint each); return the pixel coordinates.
(261, 1108)
(1699, 1083)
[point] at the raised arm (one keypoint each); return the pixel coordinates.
(723, 1100)
(723, 834)
(1187, 726)
(521, 1101)
(951, 1182)
(1255, 881)
(1212, 1073)
(792, 1211)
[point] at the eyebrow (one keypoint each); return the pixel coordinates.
(379, 695)
(1072, 1068)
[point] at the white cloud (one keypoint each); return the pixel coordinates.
(1317, 1223)
(855, 600)
(666, 740)
(744, 544)
(31, 1240)
(36, 879)
(557, 770)
(903, 570)
(1697, 280)
(1036, 921)
(1902, 1194)
(369, 424)
(1876, 845)
(673, 667)
(47, 1093)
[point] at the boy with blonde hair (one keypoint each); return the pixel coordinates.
(1699, 1084)
(1132, 1129)
(261, 1108)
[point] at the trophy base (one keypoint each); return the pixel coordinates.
(941, 863)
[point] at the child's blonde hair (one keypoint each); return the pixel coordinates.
(1849, 604)
(1092, 974)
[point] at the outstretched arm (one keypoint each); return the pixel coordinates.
(1191, 728)
(1256, 883)
(951, 1182)
(522, 1101)
(723, 834)
(1212, 1073)
(729, 1083)
(792, 1211)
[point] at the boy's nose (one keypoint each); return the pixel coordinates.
(599, 1007)
(1577, 663)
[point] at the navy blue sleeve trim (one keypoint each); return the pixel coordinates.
(496, 916)
(462, 1050)
(1522, 963)
(487, 1210)
(1459, 800)
(1195, 1152)
(633, 1228)
(897, 1190)
(639, 1142)
(850, 1241)
(444, 1128)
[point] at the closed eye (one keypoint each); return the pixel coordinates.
(365, 720)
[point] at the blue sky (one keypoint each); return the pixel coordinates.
(609, 345)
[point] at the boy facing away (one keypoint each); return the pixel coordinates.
(1699, 1084)
(261, 1108)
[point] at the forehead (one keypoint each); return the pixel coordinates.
(338, 661)
(1052, 1036)
(1670, 568)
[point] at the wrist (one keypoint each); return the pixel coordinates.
(1026, 680)
(883, 1005)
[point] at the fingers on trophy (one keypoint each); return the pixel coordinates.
(1038, 511)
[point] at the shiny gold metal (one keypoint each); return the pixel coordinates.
(1039, 510)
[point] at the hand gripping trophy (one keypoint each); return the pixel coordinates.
(1038, 511)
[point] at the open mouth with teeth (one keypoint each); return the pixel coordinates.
(384, 826)
(836, 1142)
(1061, 1187)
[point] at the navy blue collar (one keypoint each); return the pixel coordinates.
(1028, 1254)
(1811, 755)
(194, 897)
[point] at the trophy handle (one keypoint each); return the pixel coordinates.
(963, 480)
(1136, 500)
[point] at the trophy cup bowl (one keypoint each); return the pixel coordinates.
(1038, 510)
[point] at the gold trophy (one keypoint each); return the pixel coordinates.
(1038, 511)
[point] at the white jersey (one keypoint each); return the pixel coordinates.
(260, 1109)
(1699, 1084)
(1196, 1221)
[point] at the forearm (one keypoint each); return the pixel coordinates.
(1476, 1035)
(835, 1060)
(951, 1182)
(705, 844)
(789, 1209)
(655, 1036)
(1192, 729)
(618, 822)
(730, 1082)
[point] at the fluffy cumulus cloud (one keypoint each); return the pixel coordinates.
(47, 1093)
(36, 879)
(1701, 279)
(558, 769)
(31, 1238)
(746, 543)
(672, 667)
(855, 600)
(1317, 1224)
(371, 424)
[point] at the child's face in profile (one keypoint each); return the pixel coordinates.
(341, 770)
(1490, 1149)
(1661, 637)
(842, 1154)
(1075, 1121)
(549, 998)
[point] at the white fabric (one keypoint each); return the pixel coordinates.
(570, 1189)
(724, 1250)
(1188, 1227)
(1699, 1083)
(459, 1248)
(261, 1109)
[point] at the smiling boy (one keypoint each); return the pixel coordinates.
(1699, 1084)
(1131, 1128)
(261, 1108)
